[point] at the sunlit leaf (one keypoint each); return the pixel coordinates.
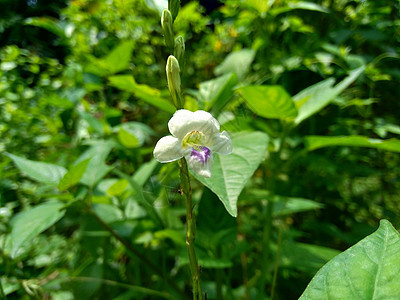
(117, 60)
(236, 62)
(39, 171)
(314, 98)
(148, 94)
(304, 5)
(74, 175)
(315, 142)
(289, 205)
(96, 168)
(30, 223)
(231, 172)
(305, 257)
(368, 270)
(216, 93)
(269, 101)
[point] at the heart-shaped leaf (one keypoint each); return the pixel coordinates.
(368, 270)
(39, 171)
(30, 223)
(269, 101)
(231, 172)
(314, 142)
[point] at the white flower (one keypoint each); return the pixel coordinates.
(195, 136)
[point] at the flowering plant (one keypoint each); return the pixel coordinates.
(195, 136)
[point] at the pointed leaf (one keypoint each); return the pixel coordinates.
(74, 175)
(144, 92)
(39, 171)
(215, 93)
(236, 62)
(314, 142)
(314, 98)
(269, 101)
(368, 270)
(231, 172)
(30, 223)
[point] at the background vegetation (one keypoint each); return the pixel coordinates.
(83, 88)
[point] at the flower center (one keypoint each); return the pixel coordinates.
(192, 139)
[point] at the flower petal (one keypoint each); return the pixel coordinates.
(185, 121)
(200, 161)
(222, 143)
(168, 149)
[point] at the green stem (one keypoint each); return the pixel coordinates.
(139, 255)
(2, 294)
(268, 217)
(278, 252)
(135, 288)
(190, 229)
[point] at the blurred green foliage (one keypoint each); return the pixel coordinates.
(84, 98)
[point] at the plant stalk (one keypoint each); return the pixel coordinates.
(190, 229)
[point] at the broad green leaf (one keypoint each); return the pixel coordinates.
(47, 23)
(148, 94)
(73, 176)
(288, 205)
(117, 60)
(39, 171)
(314, 142)
(157, 5)
(96, 168)
(30, 223)
(299, 5)
(368, 270)
(127, 138)
(236, 62)
(216, 93)
(133, 134)
(144, 172)
(108, 213)
(95, 124)
(306, 257)
(231, 172)
(314, 98)
(269, 101)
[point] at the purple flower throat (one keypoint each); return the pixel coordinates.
(202, 155)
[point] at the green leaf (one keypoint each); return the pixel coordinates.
(304, 5)
(50, 24)
(74, 175)
(30, 223)
(39, 171)
(108, 213)
(314, 98)
(306, 257)
(117, 60)
(269, 101)
(96, 168)
(144, 92)
(231, 172)
(133, 134)
(94, 123)
(127, 138)
(236, 62)
(288, 205)
(144, 172)
(314, 142)
(216, 93)
(367, 270)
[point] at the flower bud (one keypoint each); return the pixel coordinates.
(179, 50)
(167, 27)
(174, 80)
(173, 6)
